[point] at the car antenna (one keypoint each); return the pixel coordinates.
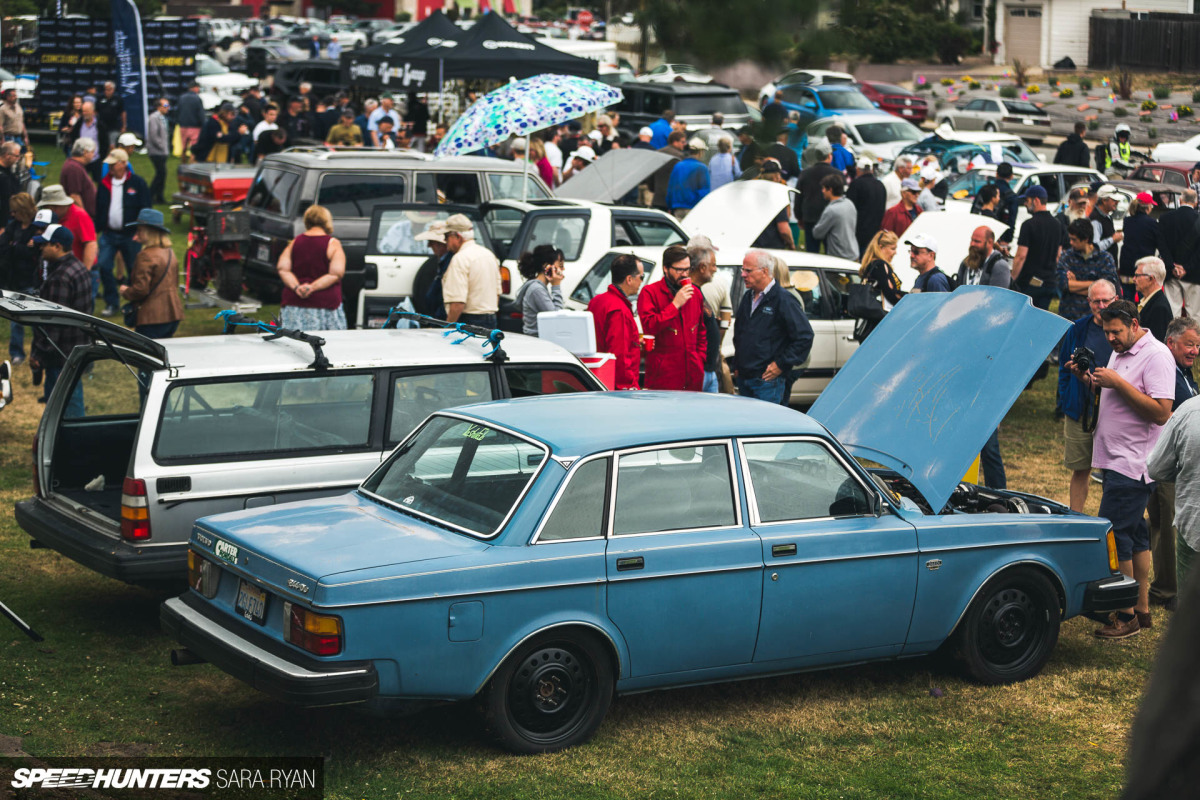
(491, 336)
(274, 330)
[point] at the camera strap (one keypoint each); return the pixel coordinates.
(1091, 413)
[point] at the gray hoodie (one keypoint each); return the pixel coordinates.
(836, 226)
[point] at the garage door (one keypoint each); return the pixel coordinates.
(1023, 36)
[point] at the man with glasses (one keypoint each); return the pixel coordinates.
(608, 135)
(1077, 400)
(672, 312)
(1154, 310)
(1137, 390)
(1079, 266)
(772, 336)
(897, 218)
(612, 315)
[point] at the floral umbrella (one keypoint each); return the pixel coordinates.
(522, 107)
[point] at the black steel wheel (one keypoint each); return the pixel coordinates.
(1011, 628)
(552, 693)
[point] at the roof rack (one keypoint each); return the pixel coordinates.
(233, 320)
(331, 151)
(492, 337)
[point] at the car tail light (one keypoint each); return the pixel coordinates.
(203, 575)
(135, 511)
(37, 480)
(1113, 563)
(505, 280)
(1013, 120)
(319, 634)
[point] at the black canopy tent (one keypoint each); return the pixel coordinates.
(410, 63)
(436, 50)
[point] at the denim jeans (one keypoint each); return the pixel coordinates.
(711, 384)
(771, 391)
(992, 464)
(110, 244)
(16, 336)
(75, 403)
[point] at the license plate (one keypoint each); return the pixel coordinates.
(906, 112)
(264, 252)
(1027, 121)
(251, 602)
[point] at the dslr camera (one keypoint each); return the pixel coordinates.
(1084, 359)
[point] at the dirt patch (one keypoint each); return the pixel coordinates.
(10, 747)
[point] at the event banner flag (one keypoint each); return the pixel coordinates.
(130, 62)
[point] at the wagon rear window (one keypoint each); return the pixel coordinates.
(464, 474)
(279, 415)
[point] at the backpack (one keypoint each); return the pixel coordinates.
(985, 277)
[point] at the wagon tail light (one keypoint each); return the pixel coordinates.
(135, 511)
(203, 575)
(505, 280)
(1113, 564)
(319, 634)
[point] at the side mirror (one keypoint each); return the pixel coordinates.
(876, 504)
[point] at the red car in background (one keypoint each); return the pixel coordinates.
(896, 100)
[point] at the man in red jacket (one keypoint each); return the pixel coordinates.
(672, 311)
(897, 218)
(612, 314)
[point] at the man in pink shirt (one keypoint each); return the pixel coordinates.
(1137, 389)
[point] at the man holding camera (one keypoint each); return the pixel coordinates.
(1084, 342)
(1137, 390)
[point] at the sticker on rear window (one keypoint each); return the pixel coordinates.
(476, 432)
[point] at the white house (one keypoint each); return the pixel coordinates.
(1041, 32)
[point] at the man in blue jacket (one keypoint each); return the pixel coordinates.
(690, 181)
(1079, 404)
(120, 197)
(772, 336)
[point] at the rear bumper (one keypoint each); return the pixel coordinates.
(265, 664)
(111, 557)
(1102, 597)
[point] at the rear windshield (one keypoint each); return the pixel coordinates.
(273, 190)
(692, 104)
(852, 100)
(463, 474)
(1021, 107)
(264, 417)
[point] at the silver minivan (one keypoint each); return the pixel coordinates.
(178, 429)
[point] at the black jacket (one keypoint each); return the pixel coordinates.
(101, 130)
(135, 194)
(18, 258)
(1142, 238)
(210, 135)
(811, 202)
(869, 197)
(1181, 241)
(1074, 151)
(1156, 315)
(777, 331)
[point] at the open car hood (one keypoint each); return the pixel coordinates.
(926, 389)
(613, 174)
(27, 310)
(734, 215)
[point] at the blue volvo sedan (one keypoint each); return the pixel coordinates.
(548, 553)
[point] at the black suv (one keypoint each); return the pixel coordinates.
(694, 104)
(324, 75)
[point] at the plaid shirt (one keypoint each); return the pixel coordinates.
(1100, 265)
(69, 284)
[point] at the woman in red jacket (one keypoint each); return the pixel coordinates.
(612, 315)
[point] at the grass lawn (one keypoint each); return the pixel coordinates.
(101, 684)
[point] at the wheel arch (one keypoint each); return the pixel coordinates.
(1035, 565)
(591, 629)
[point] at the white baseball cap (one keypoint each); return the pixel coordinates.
(586, 153)
(923, 240)
(646, 132)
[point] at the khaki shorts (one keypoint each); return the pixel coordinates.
(1078, 449)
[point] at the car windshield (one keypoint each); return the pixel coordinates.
(466, 475)
(1021, 107)
(852, 100)
(887, 88)
(890, 131)
(207, 66)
